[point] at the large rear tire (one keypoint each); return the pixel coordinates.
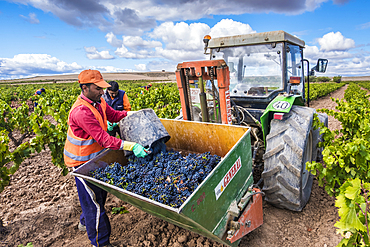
(289, 145)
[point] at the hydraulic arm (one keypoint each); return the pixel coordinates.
(202, 71)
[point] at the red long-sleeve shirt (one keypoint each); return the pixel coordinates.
(84, 124)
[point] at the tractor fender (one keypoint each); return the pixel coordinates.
(283, 104)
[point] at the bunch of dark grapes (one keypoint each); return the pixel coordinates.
(166, 177)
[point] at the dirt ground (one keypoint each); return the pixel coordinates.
(42, 207)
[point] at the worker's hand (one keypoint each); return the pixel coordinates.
(115, 125)
(110, 126)
(140, 151)
(129, 113)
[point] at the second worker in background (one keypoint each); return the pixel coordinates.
(118, 100)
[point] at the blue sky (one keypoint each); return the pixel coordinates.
(46, 37)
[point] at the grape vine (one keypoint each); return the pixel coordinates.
(318, 90)
(345, 171)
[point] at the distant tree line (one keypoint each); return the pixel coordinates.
(324, 79)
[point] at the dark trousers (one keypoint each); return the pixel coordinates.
(92, 200)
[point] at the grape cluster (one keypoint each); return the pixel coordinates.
(166, 177)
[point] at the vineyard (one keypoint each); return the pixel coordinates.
(26, 130)
(31, 129)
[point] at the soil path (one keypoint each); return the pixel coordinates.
(42, 207)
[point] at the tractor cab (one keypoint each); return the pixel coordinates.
(262, 66)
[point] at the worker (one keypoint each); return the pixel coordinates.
(118, 100)
(39, 92)
(147, 87)
(86, 138)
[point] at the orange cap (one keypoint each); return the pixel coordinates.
(92, 76)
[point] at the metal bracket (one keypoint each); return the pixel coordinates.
(250, 219)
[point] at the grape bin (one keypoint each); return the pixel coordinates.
(225, 206)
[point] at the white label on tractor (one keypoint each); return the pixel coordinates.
(281, 105)
(194, 92)
(227, 178)
(228, 107)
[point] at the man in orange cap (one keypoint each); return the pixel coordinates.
(147, 87)
(86, 138)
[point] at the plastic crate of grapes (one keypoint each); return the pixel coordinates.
(205, 210)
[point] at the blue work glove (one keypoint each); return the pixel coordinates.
(140, 151)
(110, 126)
(115, 125)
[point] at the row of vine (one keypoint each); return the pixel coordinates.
(345, 171)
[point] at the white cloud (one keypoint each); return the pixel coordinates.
(177, 42)
(93, 53)
(344, 57)
(137, 41)
(123, 52)
(314, 53)
(181, 36)
(229, 27)
(365, 25)
(27, 65)
(32, 18)
(112, 40)
(173, 41)
(140, 67)
(180, 55)
(311, 5)
(349, 67)
(159, 65)
(31, 65)
(335, 42)
(138, 47)
(110, 69)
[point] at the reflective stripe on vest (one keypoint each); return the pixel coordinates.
(79, 150)
(80, 143)
(82, 158)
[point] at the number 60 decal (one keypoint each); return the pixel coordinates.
(281, 105)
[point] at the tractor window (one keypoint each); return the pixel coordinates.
(294, 68)
(255, 70)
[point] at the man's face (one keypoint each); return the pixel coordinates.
(93, 93)
(112, 94)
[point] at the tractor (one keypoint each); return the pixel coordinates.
(257, 80)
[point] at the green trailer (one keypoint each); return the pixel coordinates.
(225, 206)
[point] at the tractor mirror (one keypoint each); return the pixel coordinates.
(321, 65)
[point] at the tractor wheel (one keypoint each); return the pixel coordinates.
(316, 137)
(289, 145)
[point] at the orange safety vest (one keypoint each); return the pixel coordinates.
(79, 150)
